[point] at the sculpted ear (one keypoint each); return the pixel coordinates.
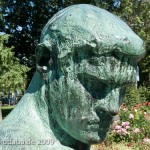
(44, 59)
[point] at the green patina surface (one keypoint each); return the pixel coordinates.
(85, 59)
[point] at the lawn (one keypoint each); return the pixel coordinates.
(122, 146)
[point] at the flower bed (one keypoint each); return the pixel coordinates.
(133, 126)
(130, 131)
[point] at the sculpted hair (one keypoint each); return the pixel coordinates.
(93, 31)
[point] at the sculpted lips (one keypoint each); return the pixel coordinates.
(98, 125)
(90, 123)
(101, 126)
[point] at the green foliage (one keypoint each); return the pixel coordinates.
(12, 74)
(134, 96)
(144, 93)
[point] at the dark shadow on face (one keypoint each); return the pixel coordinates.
(106, 120)
(81, 53)
(96, 88)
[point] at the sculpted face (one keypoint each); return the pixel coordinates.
(86, 61)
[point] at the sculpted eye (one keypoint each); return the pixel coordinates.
(82, 54)
(93, 61)
(97, 61)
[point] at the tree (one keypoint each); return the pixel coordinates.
(12, 74)
(25, 19)
(137, 15)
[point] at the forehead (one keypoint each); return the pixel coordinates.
(85, 26)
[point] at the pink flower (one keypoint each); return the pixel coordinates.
(146, 140)
(124, 124)
(131, 116)
(124, 131)
(127, 127)
(119, 131)
(118, 127)
(136, 130)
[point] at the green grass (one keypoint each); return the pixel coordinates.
(7, 107)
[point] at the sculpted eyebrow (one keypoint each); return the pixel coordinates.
(120, 55)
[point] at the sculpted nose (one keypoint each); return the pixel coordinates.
(110, 103)
(114, 112)
(114, 103)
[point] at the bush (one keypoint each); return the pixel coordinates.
(134, 96)
(133, 125)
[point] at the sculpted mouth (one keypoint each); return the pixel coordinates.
(114, 58)
(89, 124)
(92, 127)
(102, 125)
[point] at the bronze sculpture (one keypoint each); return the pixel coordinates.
(84, 62)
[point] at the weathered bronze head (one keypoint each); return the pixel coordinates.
(87, 59)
